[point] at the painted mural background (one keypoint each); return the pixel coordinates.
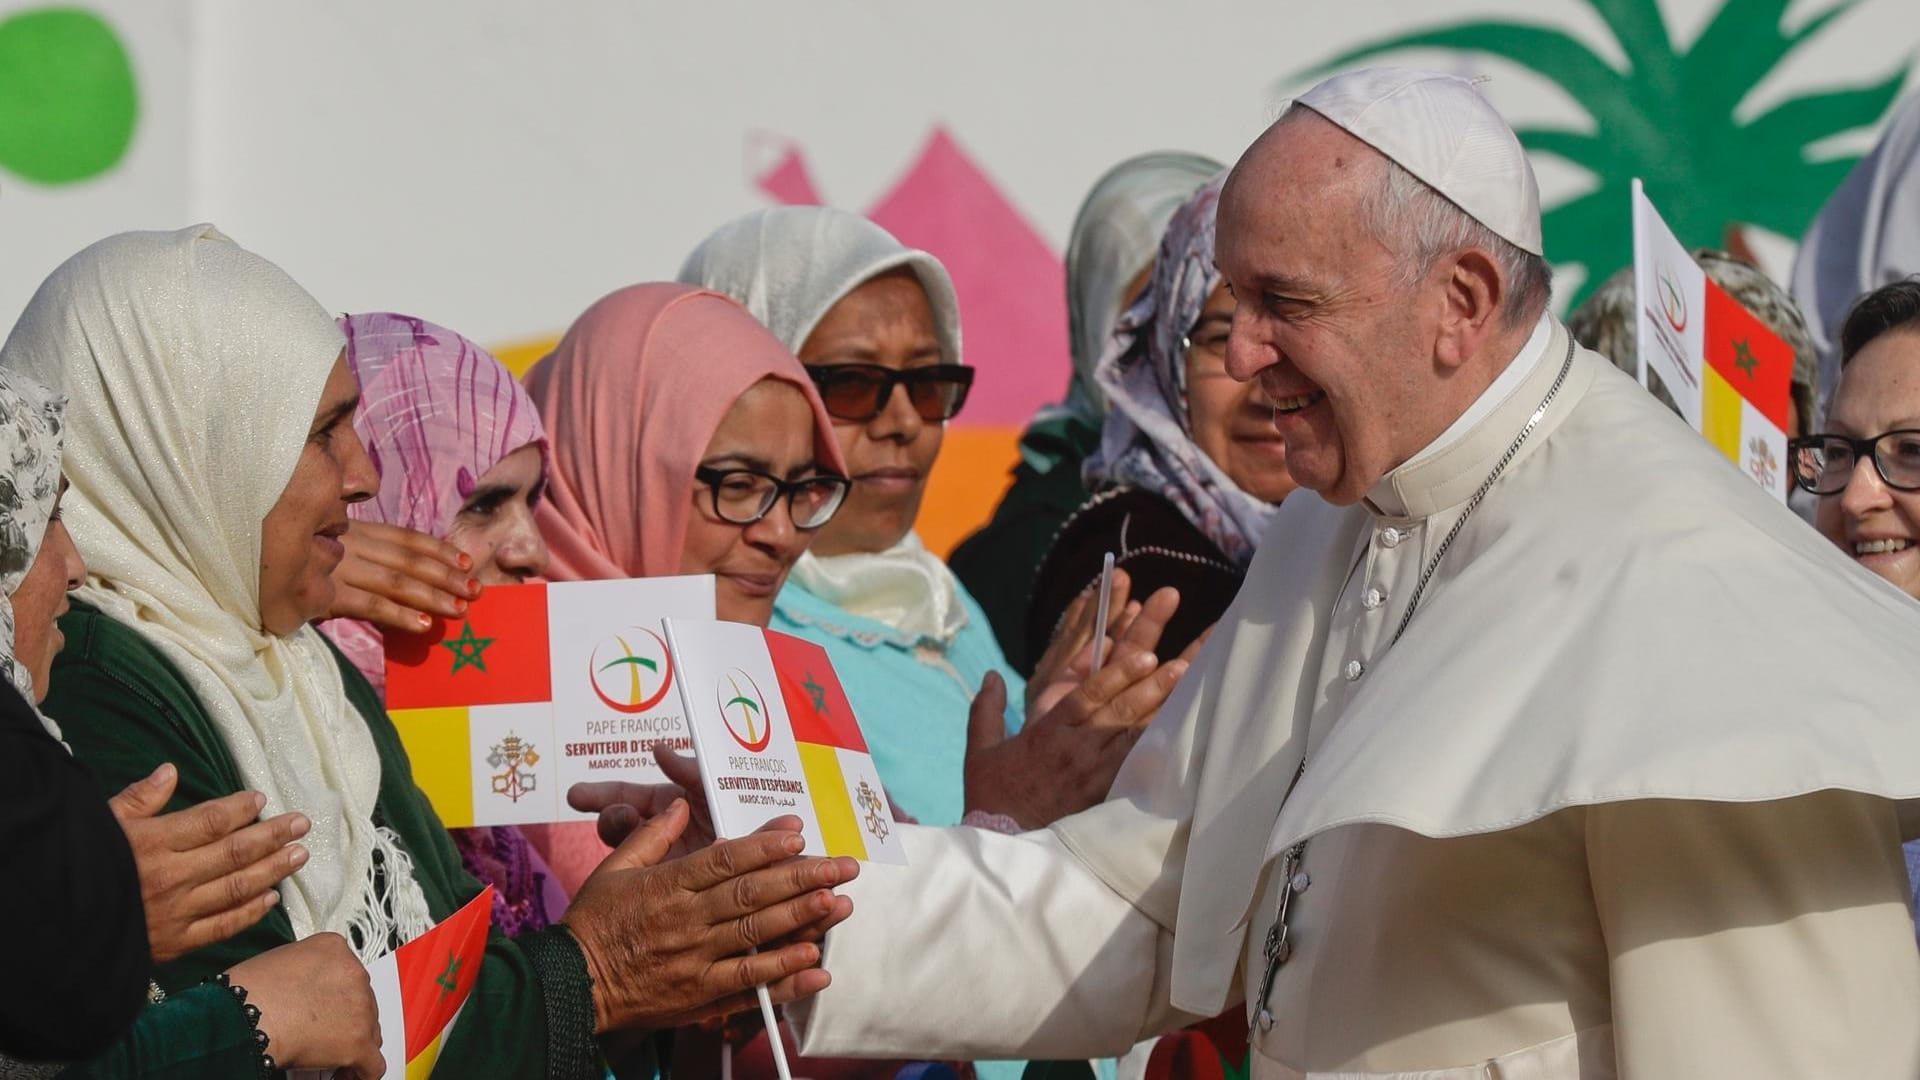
(495, 166)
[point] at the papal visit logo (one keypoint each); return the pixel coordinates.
(631, 671)
(1673, 303)
(743, 708)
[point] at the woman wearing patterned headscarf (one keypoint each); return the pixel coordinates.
(1189, 466)
(1109, 254)
(461, 456)
(81, 966)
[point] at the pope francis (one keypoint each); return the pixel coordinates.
(1544, 745)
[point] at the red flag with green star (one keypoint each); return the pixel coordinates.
(1745, 389)
(1753, 360)
(421, 986)
(496, 655)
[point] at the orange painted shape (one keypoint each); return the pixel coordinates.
(972, 476)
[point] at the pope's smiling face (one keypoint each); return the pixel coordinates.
(1344, 348)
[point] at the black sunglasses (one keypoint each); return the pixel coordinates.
(744, 496)
(860, 392)
(1823, 464)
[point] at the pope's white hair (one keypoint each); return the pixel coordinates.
(1424, 226)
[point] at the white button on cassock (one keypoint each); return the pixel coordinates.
(1373, 598)
(1355, 669)
(1390, 537)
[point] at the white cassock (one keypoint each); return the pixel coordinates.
(1624, 801)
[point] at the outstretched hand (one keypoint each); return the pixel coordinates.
(669, 941)
(1069, 656)
(623, 806)
(1065, 759)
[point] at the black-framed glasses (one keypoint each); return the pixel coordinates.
(1822, 464)
(744, 496)
(859, 392)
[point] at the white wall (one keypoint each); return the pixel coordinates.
(497, 164)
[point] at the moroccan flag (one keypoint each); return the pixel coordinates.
(776, 735)
(1727, 373)
(421, 986)
(539, 687)
(496, 655)
(1745, 390)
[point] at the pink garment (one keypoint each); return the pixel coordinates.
(436, 412)
(632, 395)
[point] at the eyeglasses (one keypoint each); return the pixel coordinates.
(1822, 464)
(744, 496)
(860, 392)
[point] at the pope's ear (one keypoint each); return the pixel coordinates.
(1474, 290)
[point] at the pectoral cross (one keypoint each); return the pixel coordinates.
(1279, 944)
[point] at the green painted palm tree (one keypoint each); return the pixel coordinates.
(1669, 119)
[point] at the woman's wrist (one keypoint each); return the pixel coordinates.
(252, 1015)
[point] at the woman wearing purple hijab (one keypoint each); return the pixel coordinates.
(462, 458)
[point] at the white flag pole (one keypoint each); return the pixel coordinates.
(1101, 611)
(713, 800)
(1639, 252)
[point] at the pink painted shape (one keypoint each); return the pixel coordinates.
(1011, 285)
(785, 179)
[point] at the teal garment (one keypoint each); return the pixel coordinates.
(198, 1034)
(910, 697)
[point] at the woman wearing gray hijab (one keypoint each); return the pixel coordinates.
(1109, 255)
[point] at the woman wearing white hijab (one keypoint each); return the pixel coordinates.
(212, 460)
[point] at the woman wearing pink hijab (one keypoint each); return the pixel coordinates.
(462, 457)
(685, 440)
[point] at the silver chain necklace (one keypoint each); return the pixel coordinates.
(1279, 945)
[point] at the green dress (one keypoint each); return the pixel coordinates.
(124, 709)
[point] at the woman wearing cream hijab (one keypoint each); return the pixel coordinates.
(212, 458)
